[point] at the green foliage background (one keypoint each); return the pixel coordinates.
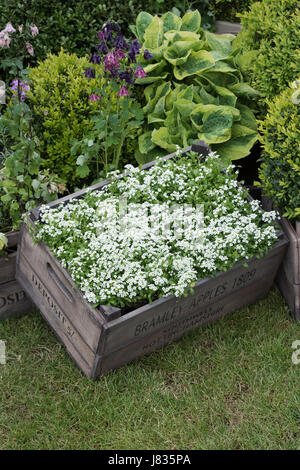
(280, 170)
(270, 41)
(73, 24)
(227, 10)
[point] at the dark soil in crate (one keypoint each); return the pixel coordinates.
(248, 166)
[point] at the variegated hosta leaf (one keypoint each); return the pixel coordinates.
(216, 126)
(143, 20)
(191, 21)
(171, 22)
(197, 62)
(240, 144)
(153, 36)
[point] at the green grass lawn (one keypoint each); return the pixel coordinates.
(230, 385)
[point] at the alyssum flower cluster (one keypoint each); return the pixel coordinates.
(114, 267)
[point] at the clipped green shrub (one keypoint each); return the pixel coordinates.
(280, 169)
(74, 23)
(61, 109)
(270, 42)
(194, 89)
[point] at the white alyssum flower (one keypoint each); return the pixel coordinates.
(141, 238)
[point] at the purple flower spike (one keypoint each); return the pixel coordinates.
(147, 55)
(134, 50)
(22, 89)
(100, 35)
(95, 58)
(127, 76)
(140, 73)
(94, 98)
(102, 47)
(90, 72)
(120, 42)
(123, 91)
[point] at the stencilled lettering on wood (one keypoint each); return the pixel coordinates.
(181, 325)
(11, 298)
(58, 313)
(193, 303)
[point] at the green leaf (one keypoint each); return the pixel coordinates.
(226, 97)
(218, 42)
(81, 160)
(162, 138)
(197, 62)
(240, 144)
(244, 90)
(216, 126)
(179, 51)
(191, 21)
(145, 142)
(171, 21)
(153, 36)
(35, 184)
(155, 72)
(3, 241)
(143, 20)
(247, 118)
(82, 171)
(174, 36)
(160, 91)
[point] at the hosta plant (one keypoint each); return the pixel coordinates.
(193, 88)
(154, 232)
(280, 169)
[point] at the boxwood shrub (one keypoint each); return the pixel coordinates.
(280, 169)
(59, 99)
(271, 45)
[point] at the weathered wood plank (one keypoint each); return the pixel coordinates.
(183, 324)
(53, 291)
(13, 300)
(7, 268)
(59, 320)
(291, 262)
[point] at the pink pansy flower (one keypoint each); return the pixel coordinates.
(9, 28)
(30, 49)
(140, 73)
(94, 98)
(123, 91)
(34, 29)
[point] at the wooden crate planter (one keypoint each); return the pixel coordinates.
(102, 339)
(225, 27)
(288, 277)
(13, 300)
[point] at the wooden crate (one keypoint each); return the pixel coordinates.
(288, 277)
(225, 27)
(13, 300)
(102, 339)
